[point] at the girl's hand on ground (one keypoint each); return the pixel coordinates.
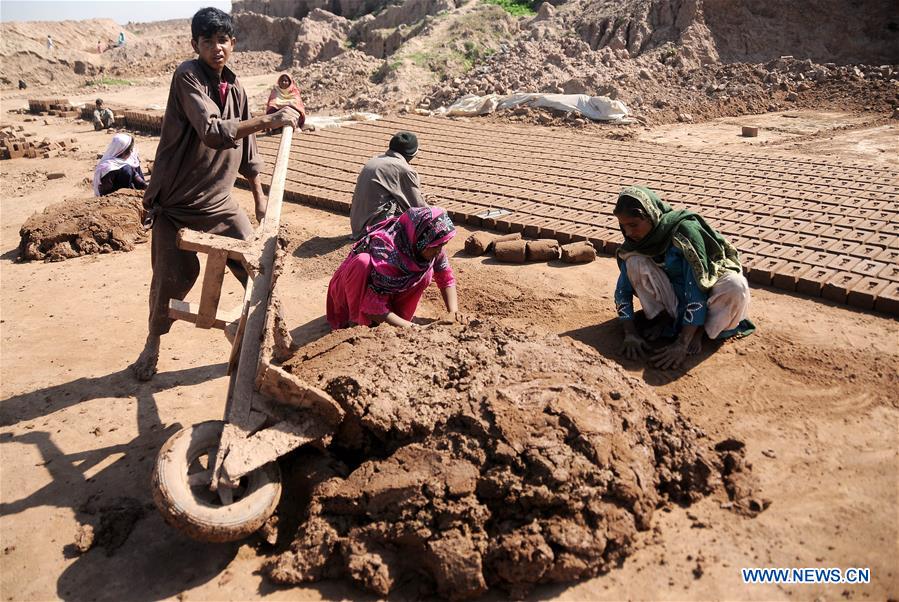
(671, 356)
(459, 318)
(633, 347)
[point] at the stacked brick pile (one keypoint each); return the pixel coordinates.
(60, 107)
(14, 144)
(145, 121)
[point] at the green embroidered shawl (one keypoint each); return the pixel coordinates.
(708, 253)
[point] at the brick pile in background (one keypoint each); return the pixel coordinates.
(59, 107)
(824, 228)
(145, 120)
(15, 144)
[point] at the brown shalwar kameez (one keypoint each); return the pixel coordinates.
(197, 162)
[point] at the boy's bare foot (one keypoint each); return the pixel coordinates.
(145, 366)
(695, 345)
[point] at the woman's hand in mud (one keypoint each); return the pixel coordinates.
(459, 318)
(671, 356)
(633, 346)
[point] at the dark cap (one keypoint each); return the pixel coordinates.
(99, 101)
(405, 143)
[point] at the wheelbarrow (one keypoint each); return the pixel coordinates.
(219, 480)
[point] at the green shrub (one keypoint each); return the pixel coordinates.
(107, 81)
(516, 8)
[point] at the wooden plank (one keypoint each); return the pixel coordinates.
(212, 288)
(244, 251)
(242, 389)
(290, 390)
(182, 310)
(269, 444)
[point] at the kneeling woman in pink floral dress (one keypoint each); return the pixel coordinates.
(388, 270)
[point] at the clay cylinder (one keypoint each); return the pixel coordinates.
(545, 249)
(578, 252)
(510, 251)
(750, 132)
(504, 238)
(478, 243)
(482, 242)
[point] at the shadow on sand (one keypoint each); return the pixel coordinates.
(606, 339)
(154, 561)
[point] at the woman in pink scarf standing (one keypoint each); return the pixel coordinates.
(388, 270)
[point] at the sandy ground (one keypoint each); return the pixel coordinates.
(833, 135)
(813, 394)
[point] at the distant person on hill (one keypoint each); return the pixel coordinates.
(388, 270)
(119, 167)
(387, 185)
(99, 47)
(22, 84)
(687, 276)
(207, 139)
(49, 42)
(121, 40)
(286, 94)
(103, 117)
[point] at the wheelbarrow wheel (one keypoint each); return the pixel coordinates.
(181, 480)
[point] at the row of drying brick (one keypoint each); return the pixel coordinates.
(880, 216)
(704, 162)
(546, 167)
(854, 237)
(749, 216)
(596, 148)
(778, 192)
(790, 164)
(469, 176)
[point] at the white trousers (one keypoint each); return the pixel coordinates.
(728, 300)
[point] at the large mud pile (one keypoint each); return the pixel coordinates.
(84, 227)
(670, 60)
(475, 456)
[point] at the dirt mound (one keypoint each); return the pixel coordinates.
(300, 8)
(151, 49)
(844, 32)
(84, 227)
(487, 457)
(343, 81)
(111, 524)
(318, 37)
(664, 83)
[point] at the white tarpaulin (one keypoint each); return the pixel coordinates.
(335, 121)
(598, 108)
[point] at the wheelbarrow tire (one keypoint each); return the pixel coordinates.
(195, 516)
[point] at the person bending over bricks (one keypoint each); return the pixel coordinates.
(103, 117)
(388, 270)
(387, 186)
(207, 139)
(687, 276)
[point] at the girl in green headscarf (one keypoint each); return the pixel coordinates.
(687, 276)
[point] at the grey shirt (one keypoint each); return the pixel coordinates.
(386, 186)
